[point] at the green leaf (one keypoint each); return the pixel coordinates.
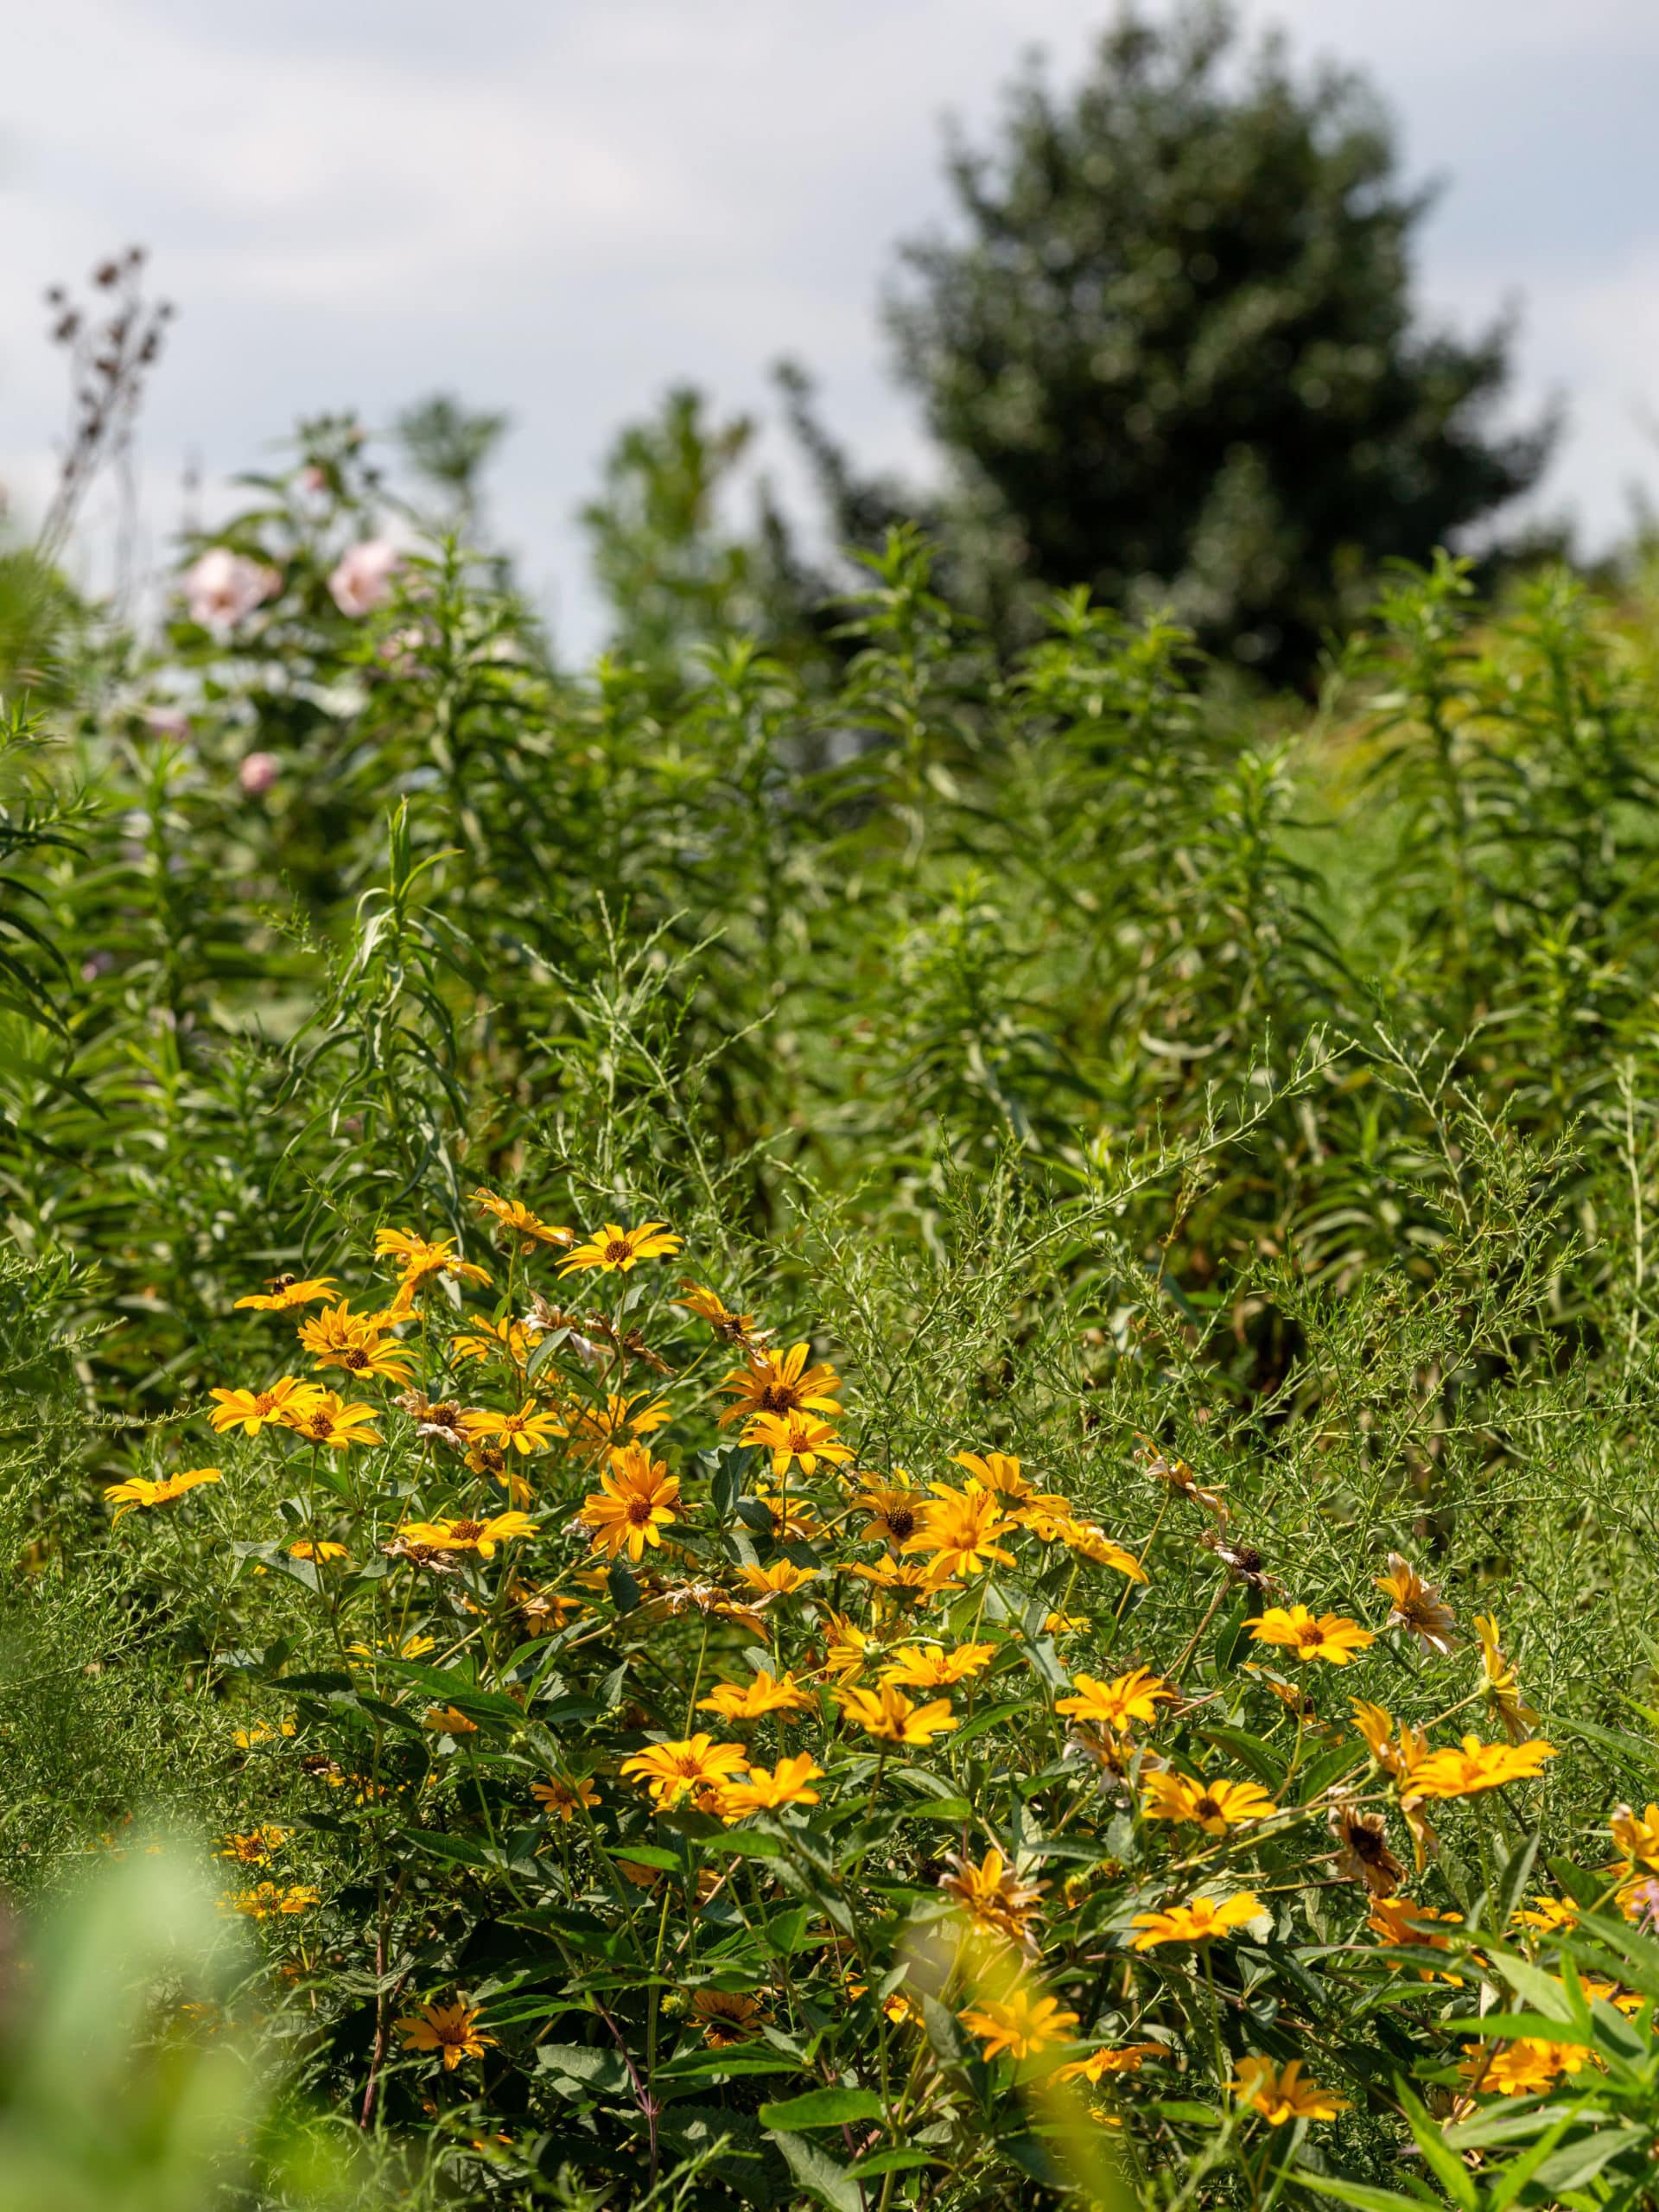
(601, 2071)
(827, 2179)
(823, 2108)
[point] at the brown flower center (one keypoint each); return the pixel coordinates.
(639, 1512)
(901, 1524)
(468, 1531)
(1207, 1808)
(618, 1249)
(777, 1398)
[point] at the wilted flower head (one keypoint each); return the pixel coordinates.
(222, 588)
(362, 577)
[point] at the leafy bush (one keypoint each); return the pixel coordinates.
(1205, 1168)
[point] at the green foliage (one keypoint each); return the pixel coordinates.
(1094, 1075)
(1176, 338)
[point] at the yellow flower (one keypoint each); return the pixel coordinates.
(1501, 1683)
(959, 1529)
(679, 1770)
(143, 1492)
(765, 1789)
(1127, 2058)
(562, 1797)
(526, 1431)
(1213, 1806)
(1282, 2096)
(1417, 1607)
(779, 1383)
(614, 1250)
(1134, 1696)
(1093, 1544)
(635, 1501)
(271, 1901)
(846, 1648)
(995, 1471)
(1547, 1914)
(448, 1720)
(452, 2030)
(321, 1551)
(328, 1420)
(1635, 1836)
(895, 1514)
(752, 1700)
(781, 1580)
(421, 1259)
(1524, 2068)
(1327, 1636)
(479, 1536)
(735, 1328)
(1196, 1921)
(902, 1579)
(255, 1848)
(485, 1341)
(283, 1292)
(993, 1897)
(794, 1521)
(797, 1438)
(597, 1428)
(338, 1337)
(1476, 1767)
(726, 2016)
(529, 1227)
(889, 1715)
(1021, 2024)
(1403, 1925)
(916, 1666)
(251, 1410)
(261, 1732)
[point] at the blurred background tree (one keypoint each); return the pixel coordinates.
(1173, 351)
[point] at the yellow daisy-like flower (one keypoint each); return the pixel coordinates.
(993, 1897)
(274, 1901)
(1021, 2024)
(254, 1849)
(726, 2017)
(526, 1431)
(1196, 1921)
(846, 1648)
(1636, 1837)
(996, 1471)
(1326, 1635)
(1547, 1914)
(887, 1714)
(141, 1491)
(1134, 1696)
(530, 1228)
(421, 1258)
(283, 1292)
(753, 1700)
(489, 1339)
(594, 1429)
(449, 2030)
(563, 1798)
(679, 1770)
(615, 1250)
(779, 1382)
(895, 1514)
(710, 1306)
(252, 1410)
(1525, 2068)
(959, 1530)
(635, 1501)
(1476, 1766)
(463, 1535)
(766, 1789)
(1213, 1806)
(1126, 2058)
(357, 1342)
(328, 1419)
(920, 1666)
(1282, 2096)
(904, 1579)
(1501, 1683)
(797, 1439)
(781, 1580)
(1417, 1607)
(321, 1551)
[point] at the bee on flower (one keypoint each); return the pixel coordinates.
(282, 1293)
(779, 1383)
(274, 1901)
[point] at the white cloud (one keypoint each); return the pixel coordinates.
(563, 206)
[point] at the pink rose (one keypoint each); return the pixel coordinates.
(363, 579)
(222, 587)
(258, 772)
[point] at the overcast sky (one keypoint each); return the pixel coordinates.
(561, 206)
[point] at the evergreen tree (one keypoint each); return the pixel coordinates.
(1177, 343)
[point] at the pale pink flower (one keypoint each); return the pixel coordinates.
(313, 478)
(362, 579)
(167, 721)
(258, 772)
(223, 587)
